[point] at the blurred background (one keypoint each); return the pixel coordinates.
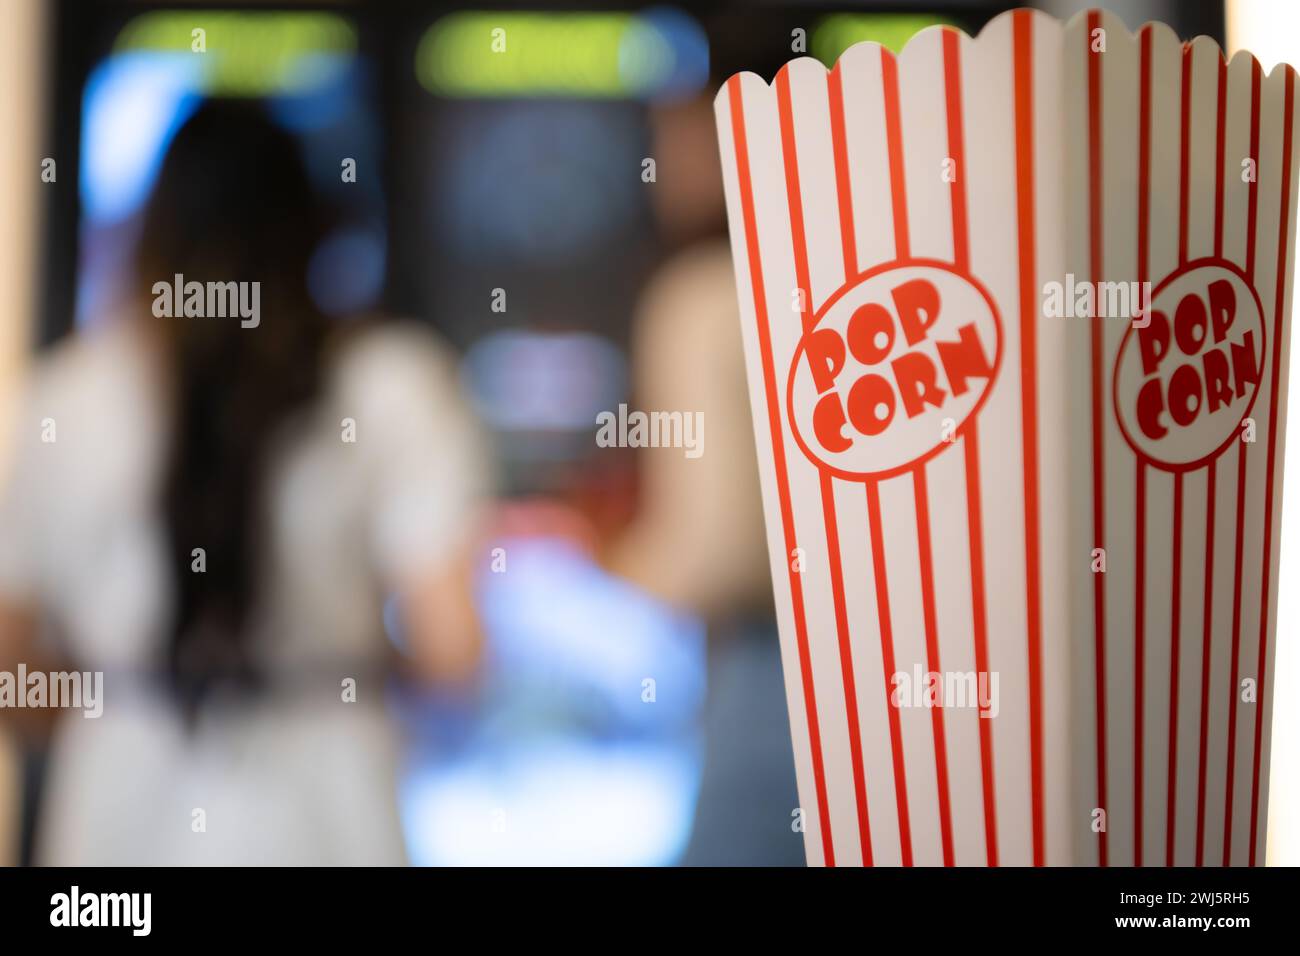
(628, 707)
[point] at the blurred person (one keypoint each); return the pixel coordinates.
(211, 511)
(698, 539)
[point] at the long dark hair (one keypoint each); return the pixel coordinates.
(232, 204)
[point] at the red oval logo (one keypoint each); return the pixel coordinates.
(893, 366)
(1185, 381)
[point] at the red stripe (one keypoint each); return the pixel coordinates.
(1175, 620)
(1253, 186)
(1139, 655)
(1279, 318)
(887, 656)
(1220, 127)
(778, 454)
(932, 664)
(844, 187)
(1233, 699)
(1022, 30)
(894, 138)
(898, 190)
(793, 194)
(970, 444)
(1098, 445)
(970, 439)
(1184, 146)
(1232, 667)
(1176, 558)
(956, 148)
(1139, 623)
(1207, 628)
(1206, 632)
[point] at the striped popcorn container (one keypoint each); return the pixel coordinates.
(1014, 322)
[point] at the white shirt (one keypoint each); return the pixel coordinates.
(292, 777)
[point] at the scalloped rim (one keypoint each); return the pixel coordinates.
(1149, 26)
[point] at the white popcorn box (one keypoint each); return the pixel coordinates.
(1013, 313)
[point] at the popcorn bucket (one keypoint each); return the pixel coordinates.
(1013, 312)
